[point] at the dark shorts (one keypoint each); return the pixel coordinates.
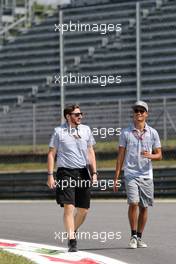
(73, 187)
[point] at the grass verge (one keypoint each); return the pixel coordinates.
(105, 146)
(108, 164)
(9, 258)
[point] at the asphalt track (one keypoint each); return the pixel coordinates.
(41, 222)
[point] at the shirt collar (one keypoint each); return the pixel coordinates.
(133, 128)
(69, 128)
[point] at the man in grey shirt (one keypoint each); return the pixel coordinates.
(139, 145)
(73, 143)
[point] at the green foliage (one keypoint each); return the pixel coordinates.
(104, 146)
(9, 258)
(40, 10)
(101, 164)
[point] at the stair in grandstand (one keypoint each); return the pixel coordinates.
(33, 58)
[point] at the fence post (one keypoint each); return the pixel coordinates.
(34, 101)
(164, 121)
(138, 50)
(34, 126)
(62, 93)
(120, 112)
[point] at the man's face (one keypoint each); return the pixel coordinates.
(75, 117)
(139, 114)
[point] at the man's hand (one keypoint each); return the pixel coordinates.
(94, 178)
(116, 185)
(157, 155)
(146, 154)
(51, 182)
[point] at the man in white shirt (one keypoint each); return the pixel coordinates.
(73, 143)
(139, 144)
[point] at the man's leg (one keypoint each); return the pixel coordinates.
(133, 219)
(82, 204)
(132, 191)
(142, 219)
(69, 219)
(133, 216)
(69, 226)
(146, 199)
(80, 216)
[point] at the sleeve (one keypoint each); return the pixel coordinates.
(122, 139)
(91, 141)
(156, 140)
(54, 140)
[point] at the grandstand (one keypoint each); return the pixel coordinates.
(31, 59)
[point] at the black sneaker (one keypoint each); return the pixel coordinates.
(72, 245)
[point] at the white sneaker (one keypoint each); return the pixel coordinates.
(140, 243)
(133, 242)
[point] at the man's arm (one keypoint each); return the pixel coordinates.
(92, 162)
(157, 155)
(51, 159)
(119, 164)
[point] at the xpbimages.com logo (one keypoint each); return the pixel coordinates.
(100, 236)
(102, 132)
(102, 184)
(102, 80)
(103, 29)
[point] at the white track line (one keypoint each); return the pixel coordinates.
(157, 200)
(47, 254)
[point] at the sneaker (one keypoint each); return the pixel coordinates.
(72, 245)
(133, 242)
(140, 243)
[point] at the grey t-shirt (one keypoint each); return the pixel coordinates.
(135, 165)
(72, 150)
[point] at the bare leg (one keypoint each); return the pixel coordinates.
(132, 215)
(142, 219)
(80, 217)
(69, 220)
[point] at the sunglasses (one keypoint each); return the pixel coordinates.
(77, 114)
(141, 111)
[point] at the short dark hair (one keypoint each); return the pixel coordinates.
(69, 109)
